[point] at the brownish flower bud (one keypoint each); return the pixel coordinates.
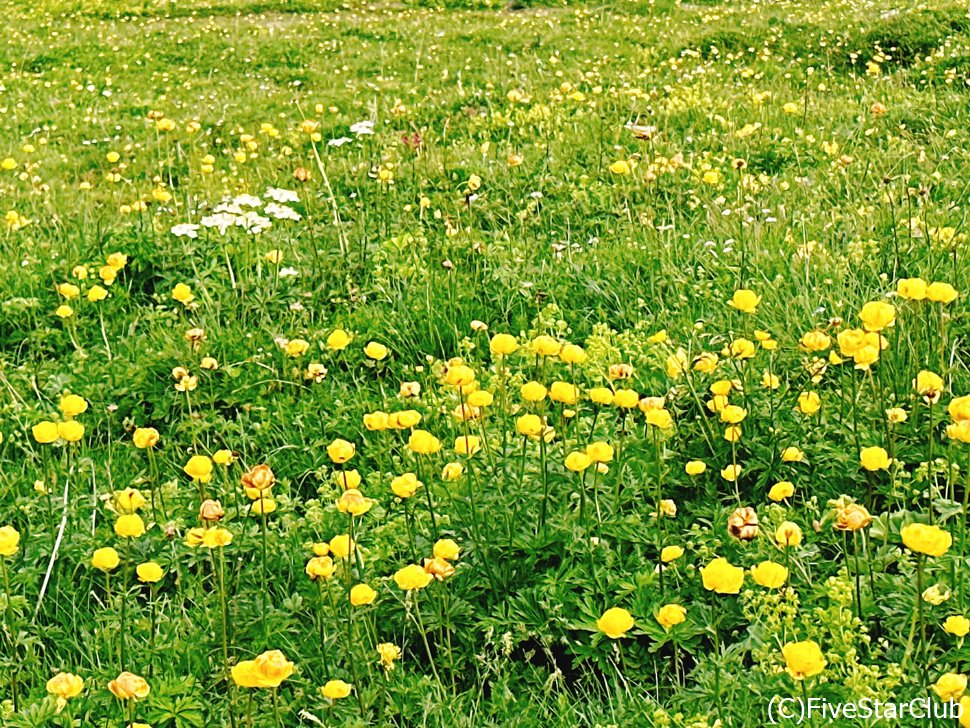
(301, 173)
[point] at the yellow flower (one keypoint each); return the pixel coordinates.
(389, 653)
(941, 293)
(216, 538)
(745, 300)
(145, 437)
(803, 659)
(452, 471)
(503, 344)
(578, 461)
(600, 452)
(533, 392)
(341, 546)
(615, 622)
(769, 574)
(353, 502)
(792, 455)
(320, 567)
(626, 398)
(64, 686)
(446, 549)
(72, 405)
(272, 668)
(660, 418)
(671, 615)
(788, 534)
(362, 594)
(809, 403)
(731, 472)
(930, 385)
(412, 577)
(468, 445)
(149, 572)
(815, 340)
(404, 486)
(896, 415)
(564, 392)
(105, 559)
(852, 517)
(9, 541)
(296, 347)
(347, 479)
(376, 351)
(781, 490)
(340, 451)
(924, 539)
(128, 686)
(959, 409)
(183, 294)
(572, 354)
(423, 442)
(950, 686)
(620, 167)
(877, 315)
(733, 414)
(601, 395)
(912, 288)
(130, 526)
(874, 458)
(199, 468)
(70, 431)
(721, 577)
(957, 625)
(337, 689)
(338, 340)
(695, 467)
(128, 500)
(671, 553)
(96, 293)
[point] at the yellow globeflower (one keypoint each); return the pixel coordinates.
(803, 659)
(149, 572)
(70, 431)
(412, 577)
(130, 526)
(788, 534)
(769, 574)
(45, 432)
(338, 340)
(199, 468)
(874, 458)
(145, 437)
(957, 625)
(105, 559)
(950, 686)
(877, 315)
(340, 451)
(671, 615)
(912, 288)
(64, 686)
(128, 686)
(337, 689)
(722, 577)
(503, 344)
(376, 351)
(9, 541)
(362, 594)
(71, 405)
(615, 622)
(781, 490)
(745, 300)
(924, 539)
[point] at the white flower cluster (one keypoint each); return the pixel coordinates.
(243, 211)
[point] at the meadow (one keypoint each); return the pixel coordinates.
(474, 364)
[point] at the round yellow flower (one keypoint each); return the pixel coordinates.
(105, 559)
(376, 351)
(128, 686)
(781, 490)
(9, 541)
(671, 615)
(71, 405)
(695, 467)
(362, 594)
(130, 526)
(70, 431)
(877, 315)
(803, 659)
(447, 549)
(957, 625)
(769, 574)
(412, 577)
(503, 344)
(950, 686)
(925, 539)
(149, 572)
(874, 458)
(721, 577)
(45, 432)
(340, 451)
(788, 534)
(338, 340)
(615, 622)
(145, 437)
(199, 468)
(745, 300)
(336, 689)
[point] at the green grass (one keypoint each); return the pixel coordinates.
(835, 204)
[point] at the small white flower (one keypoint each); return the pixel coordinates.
(281, 212)
(288, 272)
(362, 128)
(185, 230)
(253, 222)
(247, 201)
(221, 221)
(339, 142)
(280, 195)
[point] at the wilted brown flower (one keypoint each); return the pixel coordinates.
(211, 511)
(852, 517)
(260, 478)
(743, 524)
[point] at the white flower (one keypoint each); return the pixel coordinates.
(185, 230)
(247, 201)
(253, 222)
(339, 142)
(221, 220)
(288, 272)
(281, 212)
(280, 195)
(362, 128)
(228, 206)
